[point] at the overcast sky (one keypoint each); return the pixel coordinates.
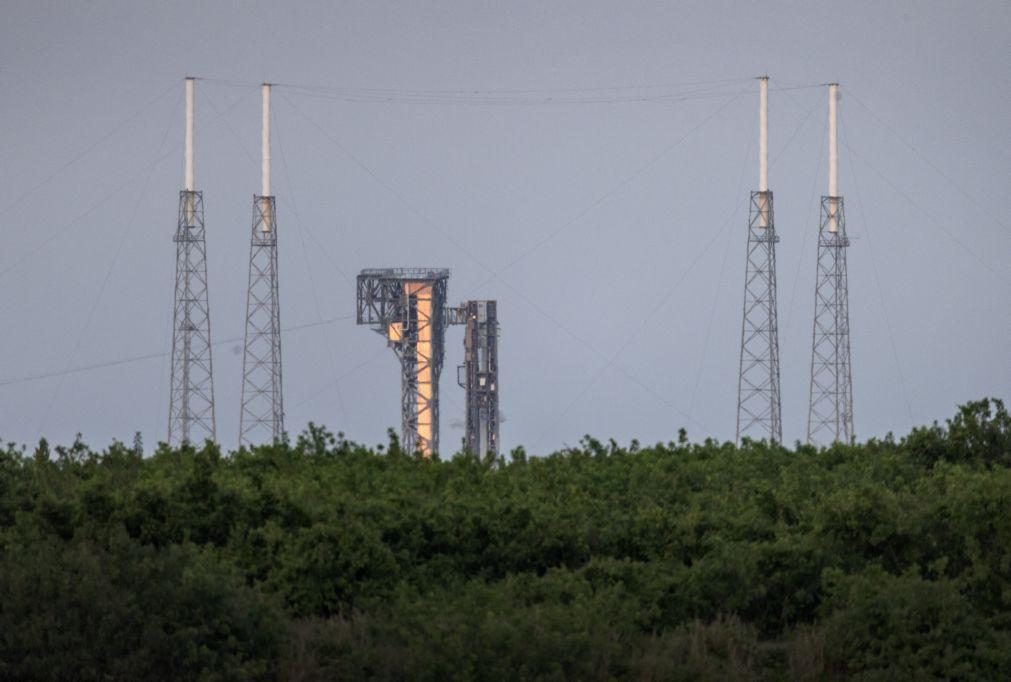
(587, 164)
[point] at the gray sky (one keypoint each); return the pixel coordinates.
(604, 206)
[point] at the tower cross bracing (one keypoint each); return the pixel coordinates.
(830, 415)
(759, 406)
(191, 402)
(262, 416)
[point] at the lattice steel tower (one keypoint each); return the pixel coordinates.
(478, 375)
(407, 306)
(261, 419)
(759, 410)
(830, 416)
(191, 399)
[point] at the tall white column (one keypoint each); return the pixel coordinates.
(833, 158)
(266, 140)
(763, 151)
(833, 148)
(265, 156)
(763, 134)
(188, 180)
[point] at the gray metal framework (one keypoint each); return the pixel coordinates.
(830, 416)
(262, 416)
(759, 408)
(407, 306)
(478, 375)
(191, 401)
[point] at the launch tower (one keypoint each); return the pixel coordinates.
(478, 375)
(407, 306)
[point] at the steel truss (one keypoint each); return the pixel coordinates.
(479, 376)
(262, 416)
(830, 416)
(191, 402)
(407, 306)
(759, 408)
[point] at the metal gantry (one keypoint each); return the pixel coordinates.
(830, 415)
(407, 306)
(262, 416)
(759, 407)
(191, 402)
(478, 375)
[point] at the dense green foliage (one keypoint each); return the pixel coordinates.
(323, 559)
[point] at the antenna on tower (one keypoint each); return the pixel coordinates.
(191, 398)
(261, 418)
(759, 410)
(830, 412)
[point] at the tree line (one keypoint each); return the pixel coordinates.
(324, 559)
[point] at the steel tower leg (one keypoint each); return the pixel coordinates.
(191, 402)
(759, 407)
(830, 416)
(261, 419)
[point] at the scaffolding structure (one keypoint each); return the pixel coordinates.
(830, 413)
(759, 407)
(261, 418)
(191, 399)
(407, 306)
(478, 376)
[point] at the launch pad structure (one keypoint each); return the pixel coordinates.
(408, 307)
(478, 376)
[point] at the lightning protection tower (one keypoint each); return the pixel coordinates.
(261, 419)
(758, 398)
(191, 399)
(478, 375)
(407, 307)
(830, 415)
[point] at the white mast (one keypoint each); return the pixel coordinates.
(833, 148)
(188, 180)
(763, 152)
(266, 140)
(833, 158)
(763, 134)
(265, 156)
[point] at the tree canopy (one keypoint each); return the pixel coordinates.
(325, 559)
